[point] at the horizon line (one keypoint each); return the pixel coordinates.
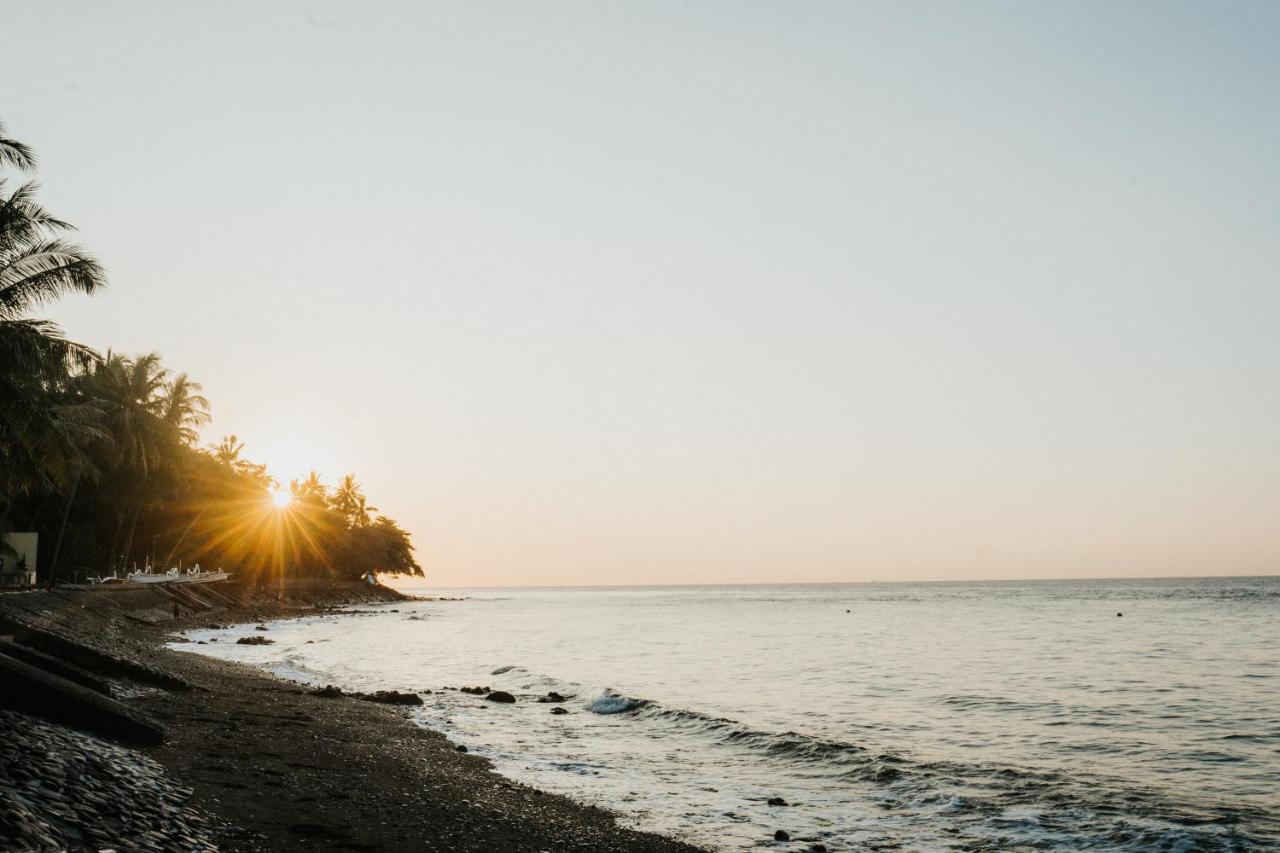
(850, 583)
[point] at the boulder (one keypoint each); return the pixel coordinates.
(559, 711)
(392, 697)
(551, 697)
(781, 835)
(327, 692)
(254, 641)
(777, 801)
(501, 696)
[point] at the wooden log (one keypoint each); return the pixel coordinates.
(49, 663)
(94, 659)
(27, 688)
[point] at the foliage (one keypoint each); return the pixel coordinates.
(99, 453)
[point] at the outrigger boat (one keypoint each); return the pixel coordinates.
(176, 575)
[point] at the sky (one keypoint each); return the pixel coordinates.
(699, 292)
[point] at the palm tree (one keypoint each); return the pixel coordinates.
(36, 268)
(133, 393)
(41, 433)
(183, 409)
(309, 486)
(349, 500)
(13, 153)
(228, 450)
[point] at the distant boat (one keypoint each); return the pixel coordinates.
(176, 575)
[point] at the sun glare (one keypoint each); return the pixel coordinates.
(280, 498)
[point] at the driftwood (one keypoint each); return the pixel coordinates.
(53, 697)
(94, 659)
(49, 663)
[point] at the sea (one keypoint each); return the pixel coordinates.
(1128, 715)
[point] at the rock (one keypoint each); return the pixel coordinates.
(777, 801)
(393, 697)
(260, 628)
(254, 641)
(459, 748)
(501, 696)
(551, 697)
(328, 692)
(559, 711)
(817, 848)
(781, 835)
(475, 691)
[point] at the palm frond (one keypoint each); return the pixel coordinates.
(43, 271)
(40, 348)
(16, 154)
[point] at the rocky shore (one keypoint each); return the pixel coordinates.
(253, 763)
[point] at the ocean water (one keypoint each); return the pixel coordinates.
(973, 716)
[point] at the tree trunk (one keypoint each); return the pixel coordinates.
(62, 529)
(115, 542)
(128, 542)
(35, 516)
(168, 561)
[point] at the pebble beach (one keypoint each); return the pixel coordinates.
(254, 763)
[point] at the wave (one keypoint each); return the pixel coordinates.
(1098, 808)
(613, 703)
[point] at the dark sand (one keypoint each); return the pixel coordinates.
(279, 769)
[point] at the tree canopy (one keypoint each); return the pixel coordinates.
(99, 453)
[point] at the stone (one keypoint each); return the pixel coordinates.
(559, 711)
(781, 835)
(777, 801)
(327, 692)
(501, 696)
(393, 697)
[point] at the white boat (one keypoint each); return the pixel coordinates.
(176, 575)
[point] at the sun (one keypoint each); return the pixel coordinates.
(281, 498)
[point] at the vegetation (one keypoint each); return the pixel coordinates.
(99, 453)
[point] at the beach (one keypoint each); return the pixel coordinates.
(254, 763)
(1030, 715)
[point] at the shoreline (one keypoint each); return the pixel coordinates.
(276, 768)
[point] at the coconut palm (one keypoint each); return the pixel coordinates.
(183, 409)
(228, 450)
(14, 153)
(309, 486)
(132, 393)
(35, 269)
(42, 435)
(349, 501)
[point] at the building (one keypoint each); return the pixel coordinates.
(18, 559)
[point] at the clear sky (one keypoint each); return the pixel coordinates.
(702, 292)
